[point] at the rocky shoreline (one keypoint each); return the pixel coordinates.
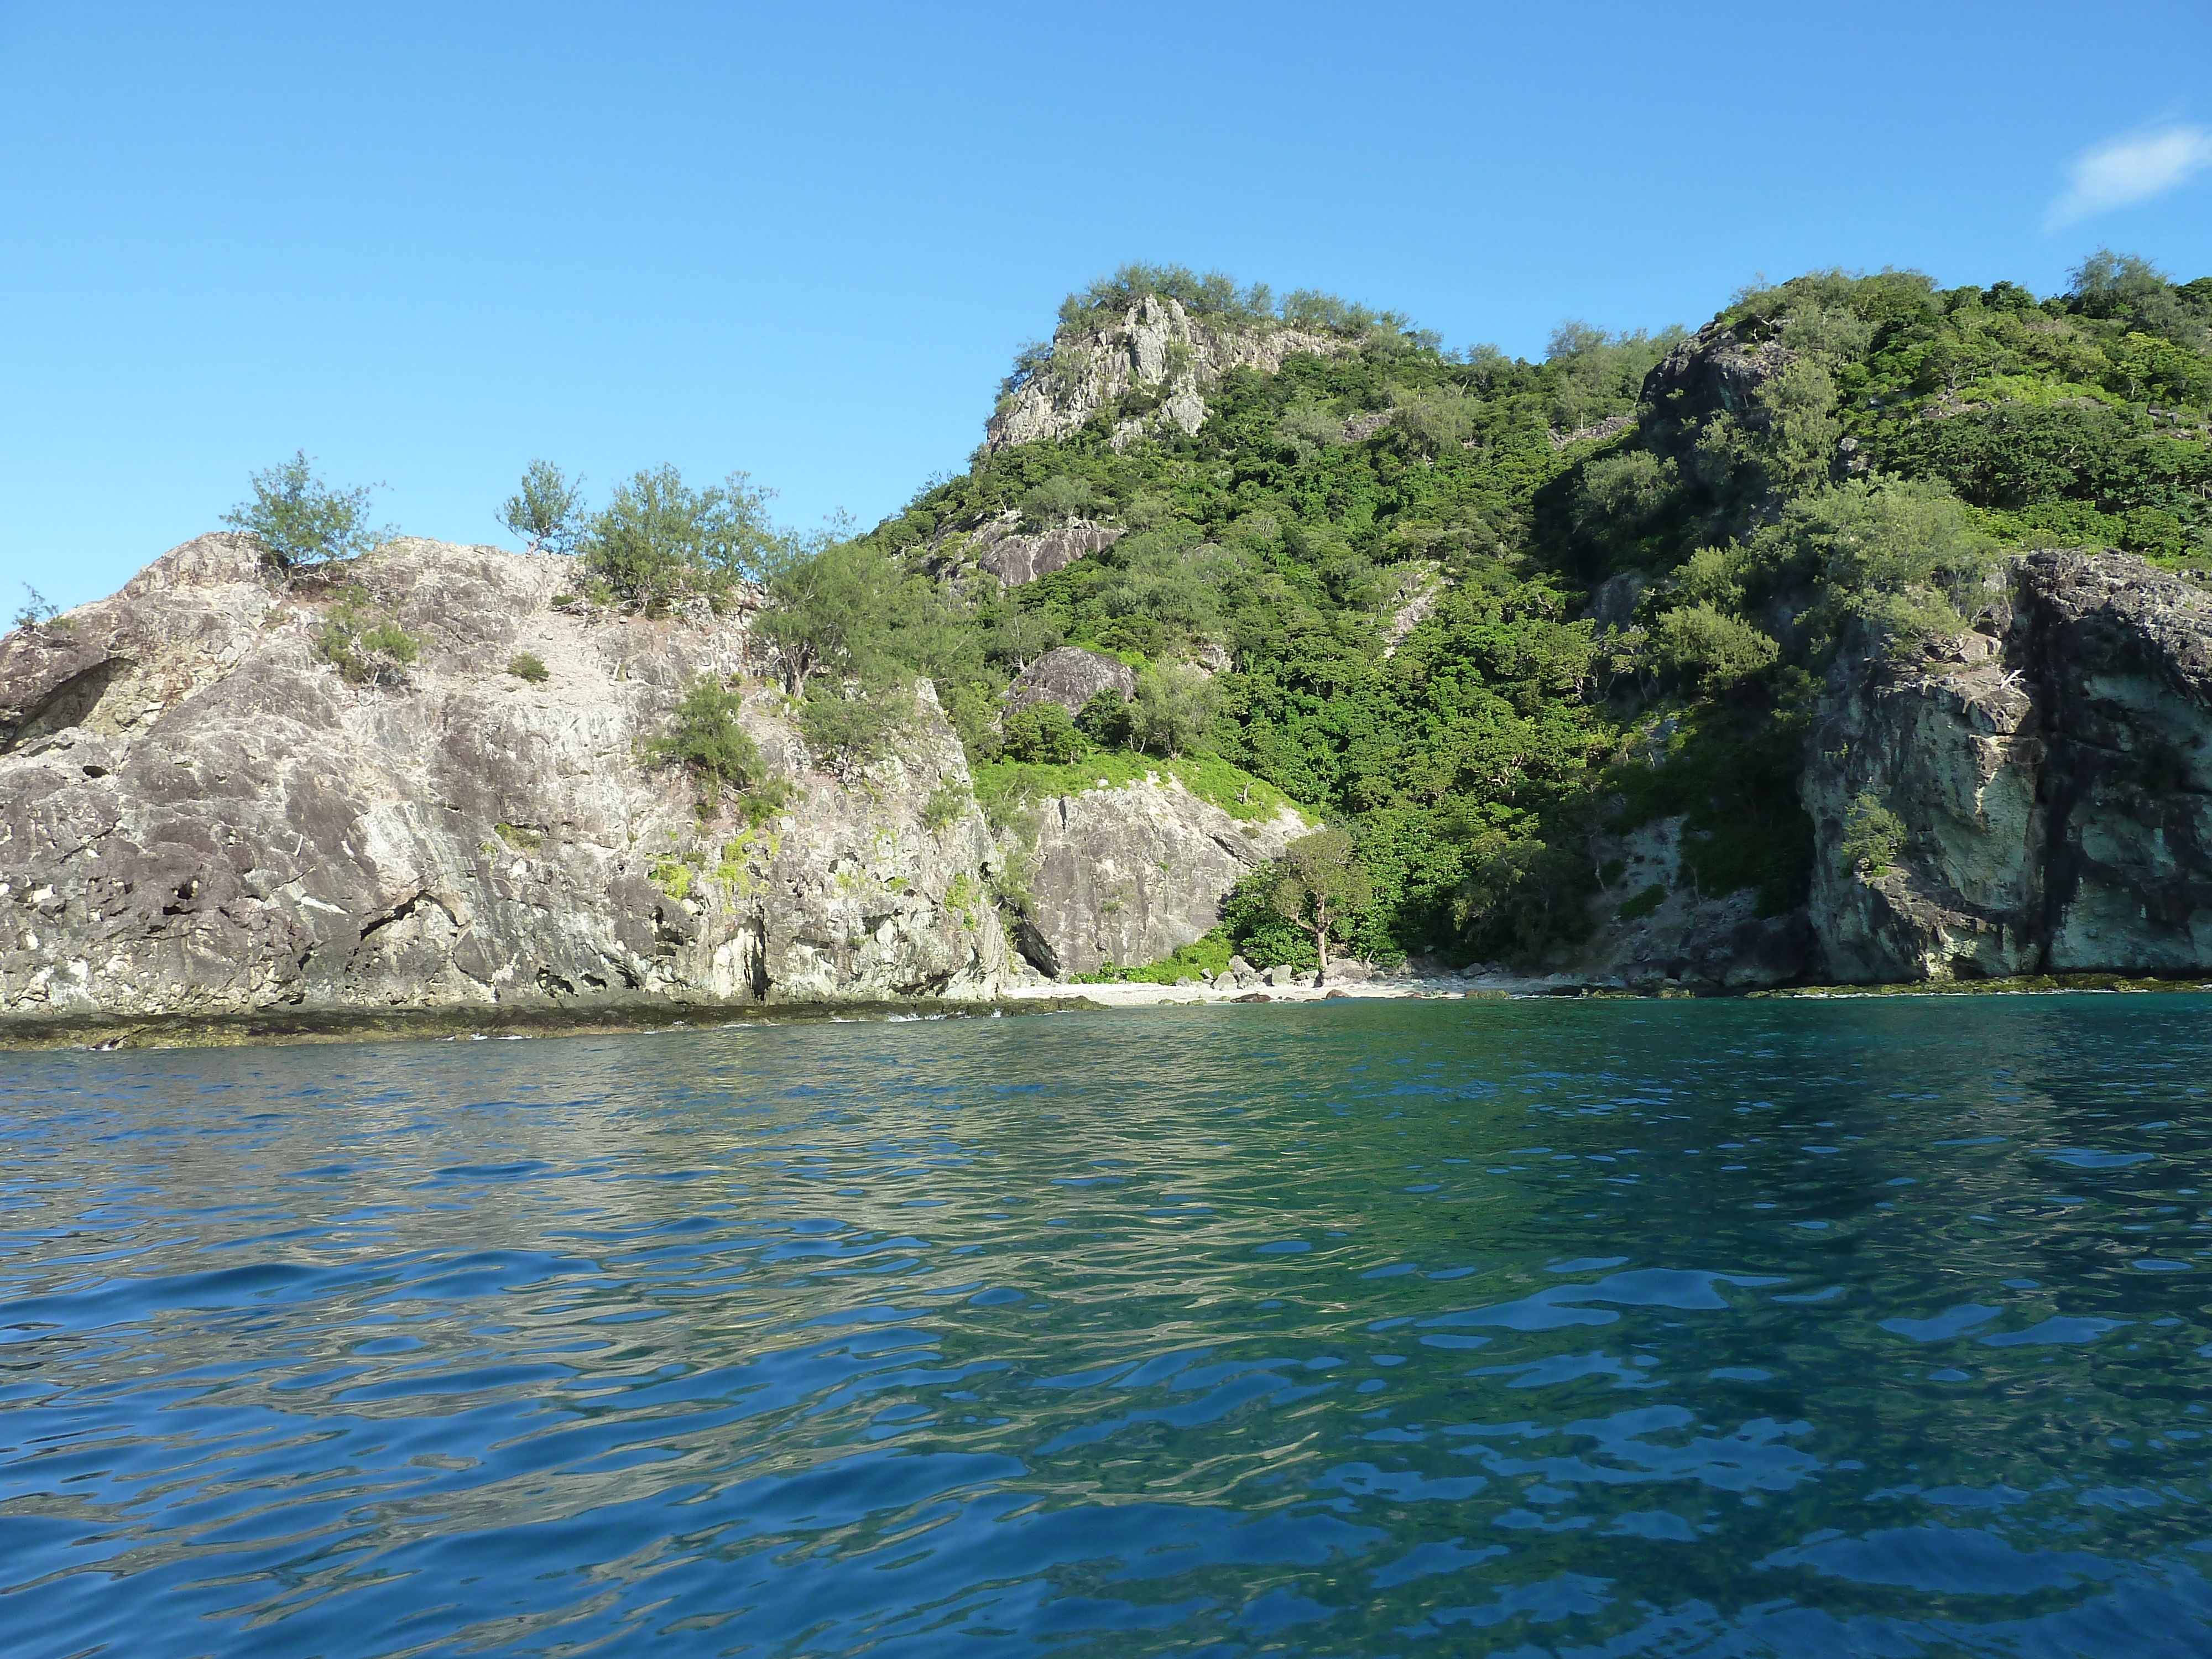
(634, 1017)
(205, 827)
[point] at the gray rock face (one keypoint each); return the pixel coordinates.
(2054, 780)
(998, 550)
(1712, 369)
(1070, 675)
(1155, 345)
(1687, 939)
(1124, 875)
(197, 813)
(1421, 587)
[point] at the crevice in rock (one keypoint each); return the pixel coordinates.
(71, 703)
(398, 912)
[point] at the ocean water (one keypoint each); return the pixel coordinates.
(1592, 1329)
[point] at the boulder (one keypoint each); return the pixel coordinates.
(999, 547)
(1124, 875)
(1070, 676)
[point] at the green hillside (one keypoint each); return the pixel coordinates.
(1471, 609)
(1860, 492)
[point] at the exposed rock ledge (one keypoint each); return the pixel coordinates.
(198, 814)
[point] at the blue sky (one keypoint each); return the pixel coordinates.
(426, 243)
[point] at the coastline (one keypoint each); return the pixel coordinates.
(481, 1021)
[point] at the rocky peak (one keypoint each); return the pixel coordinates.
(1154, 346)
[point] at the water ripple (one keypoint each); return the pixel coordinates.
(1356, 1328)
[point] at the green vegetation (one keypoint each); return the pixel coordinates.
(658, 540)
(1643, 904)
(36, 611)
(547, 511)
(1872, 836)
(527, 665)
(1321, 881)
(1895, 440)
(364, 641)
(705, 737)
(1043, 734)
(298, 519)
(944, 807)
(1004, 785)
(853, 726)
(1729, 769)
(1208, 954)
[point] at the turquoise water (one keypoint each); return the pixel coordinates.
(1354, 1328)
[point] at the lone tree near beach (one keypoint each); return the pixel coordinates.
(1322, 882)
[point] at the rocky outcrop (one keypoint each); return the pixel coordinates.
(1611, 427)
(1714, 369)
(1070, 675)
(2050, 781)
(998, 548)
(1155, 347)
(1654, 931)
(1124, 875)
(199, 814)
(1419, 586)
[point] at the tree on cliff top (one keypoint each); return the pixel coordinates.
(844, 612)
(658, 539)
(547, 511)
(299, 520)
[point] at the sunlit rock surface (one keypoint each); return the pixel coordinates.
(197, 812)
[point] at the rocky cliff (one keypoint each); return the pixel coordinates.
(2046, 783)
(2032, 797)
(1156, 348)
(1125, 875)
(199, 813)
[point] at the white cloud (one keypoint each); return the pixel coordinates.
(2124, 170)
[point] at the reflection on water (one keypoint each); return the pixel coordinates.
(1667, 1329)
